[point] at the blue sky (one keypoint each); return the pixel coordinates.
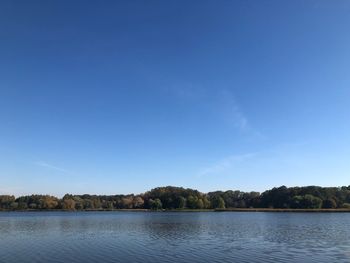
(123, 96)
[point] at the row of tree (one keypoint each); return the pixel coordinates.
(310, 197)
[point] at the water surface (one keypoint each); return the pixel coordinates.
(174, 237)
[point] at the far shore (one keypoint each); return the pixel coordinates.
(289, 210)
(275, 210)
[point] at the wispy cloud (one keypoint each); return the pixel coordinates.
(50, 166)
(225, 164)
(221, 101)
(287, 163)
(232, 111)
(234, 115)
(239, 119)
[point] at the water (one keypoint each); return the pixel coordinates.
(174, 237)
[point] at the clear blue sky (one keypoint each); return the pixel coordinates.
(123, 96)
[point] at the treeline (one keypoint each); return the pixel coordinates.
(310, 197)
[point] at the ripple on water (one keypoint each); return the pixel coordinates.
(174, 237)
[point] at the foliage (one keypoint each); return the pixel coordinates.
(329, 203)
(310, 197)
(155, 204)
(346, 206)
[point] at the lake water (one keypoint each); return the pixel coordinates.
(174, 237)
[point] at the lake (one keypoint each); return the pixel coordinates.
(174, 237)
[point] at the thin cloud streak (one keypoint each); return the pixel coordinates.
(221, 101)
(232, 112)
(240, 121)
(50, 166)
(234, 115)
(290, 156)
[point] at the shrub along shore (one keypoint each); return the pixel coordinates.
(278, 199)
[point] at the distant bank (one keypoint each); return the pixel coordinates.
(287, 210)
(234, 210)
(170, 198)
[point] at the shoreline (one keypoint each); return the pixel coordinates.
(285, 210)
(256, 210)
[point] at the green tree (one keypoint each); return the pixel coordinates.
(155, 204)
(346, 206)
(329, 203)
(221, 203)
(192, 202)
(218, 202)
(311, 201)
(181, 202)
(297, 202)
(200, 204)
(206, 202)
(6, 201)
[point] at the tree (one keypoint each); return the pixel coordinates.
(79, 203)
(127, 202)
(6, 201)
(221, 203)
(329, 203)
(138, 202)
(297, 202)
(155, 204)
(346, 206)
(68, 204)
(276, 197)
(87, 204)
(311, 201)
(206, 202)
(96, 203)
(181, 202)
(218, 202)
(200, 204)
(14, 205)
(48, 202)
(192, 202)
(170, 197)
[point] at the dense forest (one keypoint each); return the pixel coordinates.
(170, 198)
